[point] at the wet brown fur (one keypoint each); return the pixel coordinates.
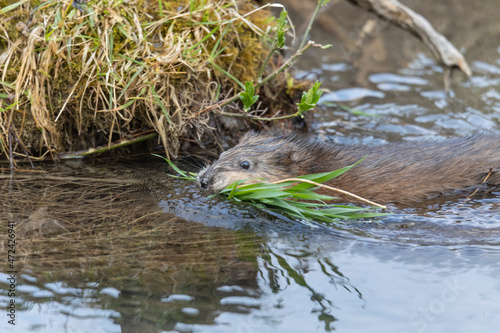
(392, 173)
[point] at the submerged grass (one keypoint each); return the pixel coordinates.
(295, 196)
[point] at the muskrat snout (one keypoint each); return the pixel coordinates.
(205, 180)
(201, 179)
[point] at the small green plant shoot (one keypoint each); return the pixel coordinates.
(247, 97)
(183, 175)
(279, 41)
(309, 99)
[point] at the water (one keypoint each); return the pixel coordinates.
(121, 247)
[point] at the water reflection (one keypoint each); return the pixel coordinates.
(140, 265)
(350, 94)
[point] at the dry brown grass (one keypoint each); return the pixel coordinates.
(73, 80)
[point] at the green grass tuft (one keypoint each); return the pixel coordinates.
(183, 175)
(289, 196)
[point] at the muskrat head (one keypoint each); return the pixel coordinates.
(266, 156)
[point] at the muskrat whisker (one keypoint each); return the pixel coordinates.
(331, 189)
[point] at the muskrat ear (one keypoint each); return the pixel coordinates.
(288, 156)
(295, 156)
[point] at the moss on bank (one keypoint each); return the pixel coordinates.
(76, 79)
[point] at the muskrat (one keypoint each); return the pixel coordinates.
(403, 173)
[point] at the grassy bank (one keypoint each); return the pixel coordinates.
(106, 73)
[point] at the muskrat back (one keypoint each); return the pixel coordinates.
(391, 173)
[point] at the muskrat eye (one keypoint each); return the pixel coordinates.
(245, 165)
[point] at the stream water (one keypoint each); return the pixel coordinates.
(121, 247)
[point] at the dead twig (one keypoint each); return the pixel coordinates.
(331, 189)
(103, 149)
(442, 49)
(484, 181)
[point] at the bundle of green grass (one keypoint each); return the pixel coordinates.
(295, 197)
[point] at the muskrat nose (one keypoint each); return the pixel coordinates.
(203, 184)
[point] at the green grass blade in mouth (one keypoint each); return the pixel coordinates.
(288, 196)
